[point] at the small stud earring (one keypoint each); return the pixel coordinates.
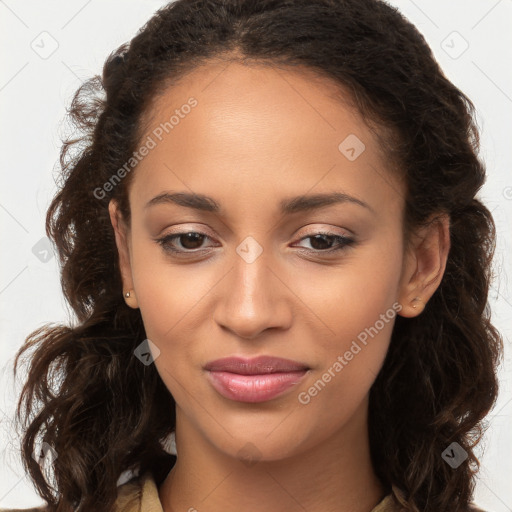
(130, 299)
(417, 299)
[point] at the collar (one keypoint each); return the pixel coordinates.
(141, 495)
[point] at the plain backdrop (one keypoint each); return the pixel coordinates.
(49, 48)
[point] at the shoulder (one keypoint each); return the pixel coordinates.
(390, 504)
(129, 496)
(37, 509)
(474, 508)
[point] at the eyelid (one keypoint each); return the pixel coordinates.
(181, 229)
(328, 232)
(319, 231)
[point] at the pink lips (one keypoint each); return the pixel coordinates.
(254, 380)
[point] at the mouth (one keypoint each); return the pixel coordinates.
(254, 380)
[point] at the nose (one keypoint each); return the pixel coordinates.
(253, 297)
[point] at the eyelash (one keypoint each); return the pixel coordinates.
(342, 243)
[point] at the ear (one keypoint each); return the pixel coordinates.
(424, 265)
(122, 232)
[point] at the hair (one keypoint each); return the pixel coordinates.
(104, 412)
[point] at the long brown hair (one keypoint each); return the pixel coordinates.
(103, 412)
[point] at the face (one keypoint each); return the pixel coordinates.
(316, 281)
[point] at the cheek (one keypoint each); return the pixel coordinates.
(169, 294)
(358, 309)
(351, 299)
(349, 363)
(169, 298)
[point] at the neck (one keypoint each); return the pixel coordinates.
(336, 476)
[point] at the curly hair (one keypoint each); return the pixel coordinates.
(104, 413)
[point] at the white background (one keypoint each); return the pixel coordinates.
(35, 91)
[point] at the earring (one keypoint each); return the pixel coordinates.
(418, 299)
(130, 298)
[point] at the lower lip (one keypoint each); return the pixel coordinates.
(254, 388)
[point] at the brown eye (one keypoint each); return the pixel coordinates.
(321, 242)
(327, 242)
(190, 241)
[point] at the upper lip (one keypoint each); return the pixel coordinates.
(255, 366)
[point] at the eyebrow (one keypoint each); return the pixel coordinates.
(287, 206)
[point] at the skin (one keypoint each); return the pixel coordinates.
(260, 135)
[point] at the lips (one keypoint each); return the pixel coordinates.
(255, 366)
(254, 380)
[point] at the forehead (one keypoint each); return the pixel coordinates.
(260, 99)
(232, 126)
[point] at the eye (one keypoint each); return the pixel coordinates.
(323, 242)
(189, 241)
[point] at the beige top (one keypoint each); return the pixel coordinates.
(141, 495)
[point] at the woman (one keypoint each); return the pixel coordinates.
(270, 236)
